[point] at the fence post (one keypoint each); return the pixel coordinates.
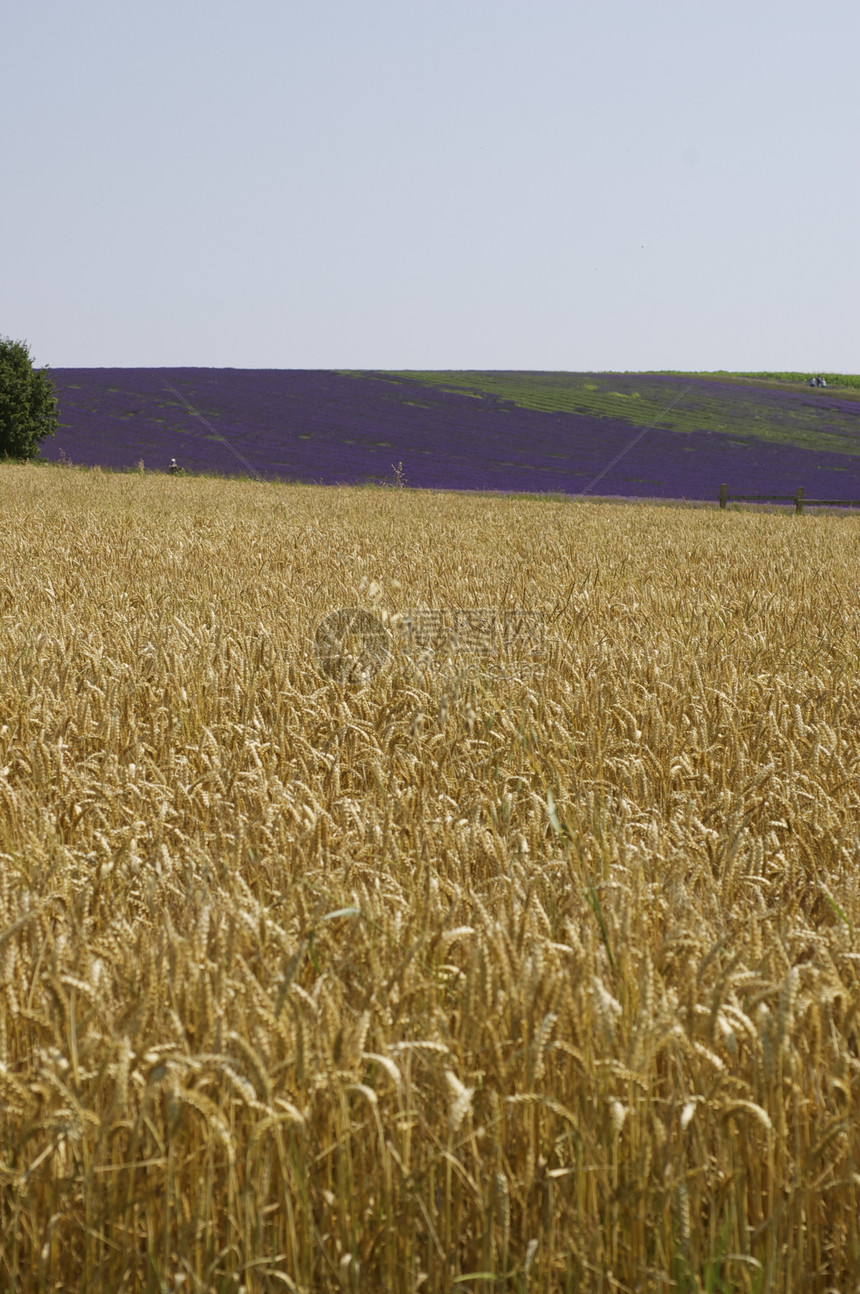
(724, 493)
(798, 501)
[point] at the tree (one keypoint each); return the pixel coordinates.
(28, 405)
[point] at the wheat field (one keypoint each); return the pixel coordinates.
(516, 972)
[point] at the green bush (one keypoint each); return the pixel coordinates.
(28, 405)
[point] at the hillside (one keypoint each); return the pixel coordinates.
(507, 431)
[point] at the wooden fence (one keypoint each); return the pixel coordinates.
(798, 499)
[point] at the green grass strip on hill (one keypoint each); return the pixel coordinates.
(811, 421)
(844, 382)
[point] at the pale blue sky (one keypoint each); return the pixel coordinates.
(611, 184)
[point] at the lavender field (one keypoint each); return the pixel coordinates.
(512, 432)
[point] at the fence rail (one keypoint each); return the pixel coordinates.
(799, 499)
